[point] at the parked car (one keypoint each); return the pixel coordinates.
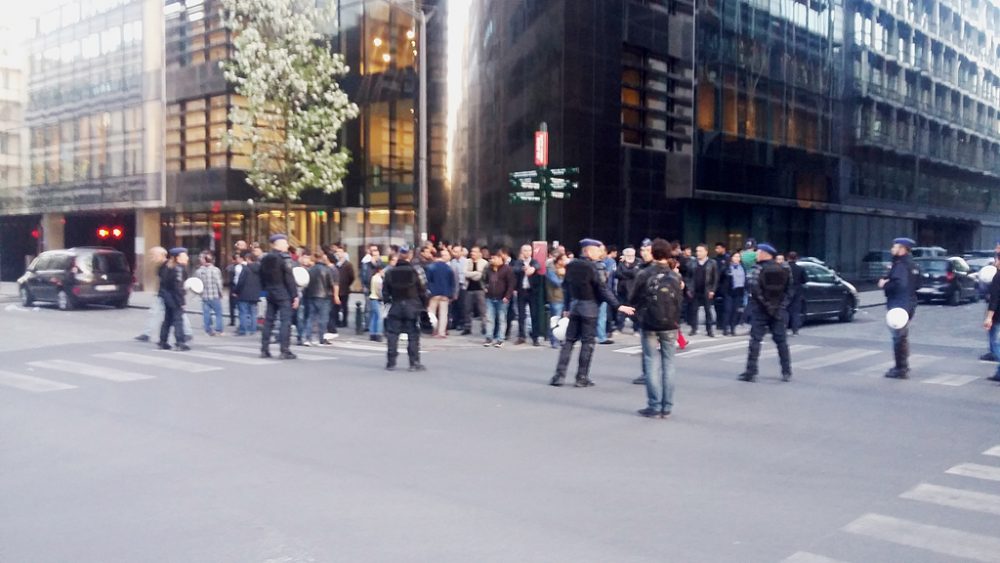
(827, 295)
(985, 253)
(928, 252)
(77, 276)
(812, 259)
(947, 279)
(876, 264)
(976, 264)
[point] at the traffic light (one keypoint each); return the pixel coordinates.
(103, 233)
(115, 233)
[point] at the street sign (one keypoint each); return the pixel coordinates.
(527, 184)
(542, 148)
(559, 184)
(559, 195)
(523, 174)
(564, 171)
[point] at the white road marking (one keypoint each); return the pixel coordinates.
(244, 360)
(301, 355)
(994, 451)
(840, 357)
(357, 346)
(701, 351)
(158, 360)
(631, 350)
(916, 361)
(954, 498)
(976, 471)
(946, 541)
(771, 353)
(806, 557)
(90, 370)
(30, 383)
(255, 350)
(951, 380)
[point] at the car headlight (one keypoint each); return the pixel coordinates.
(849, 286)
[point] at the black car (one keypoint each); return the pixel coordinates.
(77, 276)
(947, 279)
(827, 295)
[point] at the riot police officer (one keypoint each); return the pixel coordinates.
(900, 286)
(770, 289)
(172, 275)
(282, 296)
(405, 289)
(583, 291)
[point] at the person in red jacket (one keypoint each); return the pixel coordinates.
(500, 285)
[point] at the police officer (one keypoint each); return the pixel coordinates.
(405, 289)
(900, 288)
(769, 284)
(583, 290)
(172, 276)
(282, 296)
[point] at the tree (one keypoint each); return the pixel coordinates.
(285, 69)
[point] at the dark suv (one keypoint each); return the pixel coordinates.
(947, 279)
(77, 276)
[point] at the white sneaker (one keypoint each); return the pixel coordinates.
(308, 343)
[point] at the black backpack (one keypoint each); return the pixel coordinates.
(662, 307)
(773, 286)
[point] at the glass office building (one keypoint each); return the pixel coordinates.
(825, 126)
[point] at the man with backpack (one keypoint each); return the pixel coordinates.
(658, 298)
(769, 284)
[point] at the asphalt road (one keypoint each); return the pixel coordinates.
(112, 451)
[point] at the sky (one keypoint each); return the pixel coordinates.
(458, 18)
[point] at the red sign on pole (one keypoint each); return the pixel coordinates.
(541, 148)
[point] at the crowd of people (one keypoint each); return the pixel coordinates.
(444, 290)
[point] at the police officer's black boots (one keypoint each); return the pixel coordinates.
(901, 352)
(748, 376)
(786, 363)
(557, 380)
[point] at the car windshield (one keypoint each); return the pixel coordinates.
(110, 263)
(934, 266)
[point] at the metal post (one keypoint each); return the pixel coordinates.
(422, 209)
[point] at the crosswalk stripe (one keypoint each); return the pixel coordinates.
(994, 451)
(955, 498)
(806, 557)
(771, 353)
(90, 370)
(244, 360)
(30, 383)
(357, 346)
(631, 350)
(312, 350)
(976, 471)
(951, 380)
(915, 361)
(158, 360)
(841, 357)
(699, 351)
(301, 355)
(946, 541)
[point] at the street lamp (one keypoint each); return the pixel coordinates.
(251, 220)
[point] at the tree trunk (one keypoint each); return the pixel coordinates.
(288, 218)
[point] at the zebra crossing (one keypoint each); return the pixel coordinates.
(937, 540)
(51, 375)
(928, 369)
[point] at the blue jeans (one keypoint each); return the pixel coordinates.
(318, 315)
(496, 319)
(248, 317)
(602, 323)
(555, 310)
(374, 317)
(208, 307)
(995, 342)
(659, 389)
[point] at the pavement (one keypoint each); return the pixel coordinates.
(114, 451)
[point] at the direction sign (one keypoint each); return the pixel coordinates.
(559, 184)
(564, 171)
(525, 197)
(524, 174)
(560, 195)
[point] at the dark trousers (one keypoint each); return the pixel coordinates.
(762, 322)
(732, 309)
(342, 311)
(720, 311)
(698, 302)
(584, 330)
(456, 311)
(173, 316)
(394, 326)
(901, 348)
(232, 309)
(282, 312)
(526, 304)
(796, 308)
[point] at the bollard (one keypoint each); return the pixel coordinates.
(358, 320)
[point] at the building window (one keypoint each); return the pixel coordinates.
(655, 102)
(196, 131)
(195, 33)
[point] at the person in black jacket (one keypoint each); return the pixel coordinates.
(769, 287)
(319, 298)
(901, 293)
(798, 300)
(528, 283)
(628, 269)
(991, 323)
(282, 296)
(405, 289)
(704, 279)
(247, 293)
(583, 290)
(172, 276)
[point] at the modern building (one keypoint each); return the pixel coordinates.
(824, 126)
(128, 106)
(13, 138)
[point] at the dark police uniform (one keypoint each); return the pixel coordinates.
(769, 312)
(172, 293)
(405, 289)
(277, 280)
(583, 291)
(901, 292)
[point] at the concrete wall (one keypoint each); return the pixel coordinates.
(850, 237)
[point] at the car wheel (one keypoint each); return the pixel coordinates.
(64, 301)
(26, 298)
(955, 298)
(975, 297)
(121, 303)
(846, 311)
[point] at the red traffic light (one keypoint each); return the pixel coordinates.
(103, 232)
(117, 233)
(35, 233)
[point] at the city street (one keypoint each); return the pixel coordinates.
(113, 451)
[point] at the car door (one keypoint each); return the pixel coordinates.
(817, 288)
(34, 279)
(965, 281)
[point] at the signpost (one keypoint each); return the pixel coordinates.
(539, 186)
